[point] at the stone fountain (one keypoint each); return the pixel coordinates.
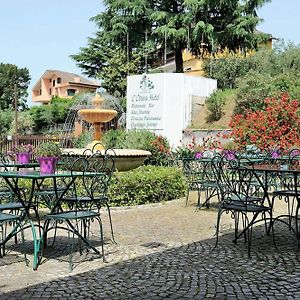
(97, 116)
(125, 159)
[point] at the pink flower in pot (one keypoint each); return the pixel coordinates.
(198, 155)
(21, 153)
(47, 155)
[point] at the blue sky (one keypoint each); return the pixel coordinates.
(281, 19)
(41, 35)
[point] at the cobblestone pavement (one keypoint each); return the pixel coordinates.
(162, 252)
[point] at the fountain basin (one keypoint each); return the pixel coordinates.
(97, 115)
(125, 159)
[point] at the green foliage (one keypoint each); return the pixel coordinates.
(25, 123)
(227, 69)
(45, 116)
(82, 140)
(60, 108)
(144, 26)
(113, 138)
(9, 75)
(255, 87)
(140, 139)
(114, 74)
(215, 104)
(266, 73)
(6, 118)
(41, 117)
(47, 149)
(147, 184)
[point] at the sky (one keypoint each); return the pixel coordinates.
(41, 35)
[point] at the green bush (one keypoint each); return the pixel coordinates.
(146, 184)
(82, 140)
(6, 119)
(114, 138)
(227, 69)
(255, 87)
(215, 104)
(140, 139)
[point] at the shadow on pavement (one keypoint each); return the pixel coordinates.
(192, 271)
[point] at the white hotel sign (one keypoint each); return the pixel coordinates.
(144, 104)
(162, 102)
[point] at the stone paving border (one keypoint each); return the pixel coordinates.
(164, 252)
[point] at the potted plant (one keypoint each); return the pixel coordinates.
(230, 149)
(21, 153)
(47, 154)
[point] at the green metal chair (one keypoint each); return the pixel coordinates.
(77, 219)
(240, 198)
(10, 226)
(99, 161)
(201, 178)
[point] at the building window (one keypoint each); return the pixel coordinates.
(71, 92)
(50, 92)
(50, 80)
(53, 83)
(58, 80)
(40, 92)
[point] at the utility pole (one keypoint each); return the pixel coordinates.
(146, 52)
(16, 114)
(165, 50)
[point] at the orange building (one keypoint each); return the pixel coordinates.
(60, 84)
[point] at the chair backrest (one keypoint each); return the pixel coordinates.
(5, 162)
(236, 181)
(100, 165)
(294, 157)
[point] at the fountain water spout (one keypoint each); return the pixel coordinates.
(96, 116)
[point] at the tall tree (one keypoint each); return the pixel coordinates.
(9, 76)
(148, 26)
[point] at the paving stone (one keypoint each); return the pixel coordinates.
(163, 251)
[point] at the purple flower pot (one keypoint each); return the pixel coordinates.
(47, 164)
(198, 155)
(23, 158)
(230, 154)
(275, 154)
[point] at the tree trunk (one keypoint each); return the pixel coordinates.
(178, 61)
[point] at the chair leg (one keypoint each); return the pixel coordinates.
(23, 246)
(236, 226)
(187, 196)
(249, 235)
(71, 248)
(101, 238)
(110, 221)
(218, 227)
(297, 226)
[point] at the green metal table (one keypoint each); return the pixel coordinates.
(12, 178)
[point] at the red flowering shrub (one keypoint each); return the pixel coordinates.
(160, 149)
(277, 126)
